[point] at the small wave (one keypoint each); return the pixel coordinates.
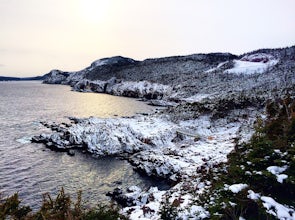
(16, 170)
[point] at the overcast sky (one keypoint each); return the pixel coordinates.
(39, 35)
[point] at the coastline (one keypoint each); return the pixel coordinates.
(207, 115)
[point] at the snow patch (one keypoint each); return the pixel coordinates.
(111, 61)
(252, 195)
(235, 188)
(148, 205)
(255, 63)
(197, 98)
(277, 209)
(275, 170)
(216, 68)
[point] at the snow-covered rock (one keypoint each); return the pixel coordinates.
(141, 89)
(55, 77)
(179, 151)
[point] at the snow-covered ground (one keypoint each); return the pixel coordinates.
(161, 148)
(255, 63)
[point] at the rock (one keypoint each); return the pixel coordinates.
(55, 77)
(120, 198)
(71, 152)
(118, 182)
(161, 103)
(42, 138)
(36, 139)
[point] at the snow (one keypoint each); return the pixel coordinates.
(252, 195)
(255, 63)
(113, 136)
(235, 188)
(273, 207)
(111, 61)
(146, 208)
(141, 87)
(246, 67)
(199, 212)
(116, 87)
(281, 177)
(99, 62)
(150, 144)
(277, 209)
(275, 170)
(197, 98)
(258, 58)
(216, 68)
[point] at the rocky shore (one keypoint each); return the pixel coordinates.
(212, 103)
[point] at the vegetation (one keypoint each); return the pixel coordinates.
(60, 208)
(168, 211)
(273, 144)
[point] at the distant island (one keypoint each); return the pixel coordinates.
(7, 78)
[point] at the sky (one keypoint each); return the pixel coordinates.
(40, 35)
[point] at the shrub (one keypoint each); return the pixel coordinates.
(271, 145)
(60, 208)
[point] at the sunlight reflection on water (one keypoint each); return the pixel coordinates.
(31, 169)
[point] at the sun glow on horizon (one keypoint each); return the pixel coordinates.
(94, 11)
(37, 36)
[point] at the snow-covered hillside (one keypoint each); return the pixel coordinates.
(187, 76)
(254, 63)
(118, 60)
(214, 102)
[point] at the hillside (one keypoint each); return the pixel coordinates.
(185, 77)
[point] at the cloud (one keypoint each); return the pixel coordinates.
(2, 65)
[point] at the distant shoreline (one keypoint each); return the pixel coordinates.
(7, 78)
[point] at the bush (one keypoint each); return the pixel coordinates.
(60, 208)
(271, 145)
